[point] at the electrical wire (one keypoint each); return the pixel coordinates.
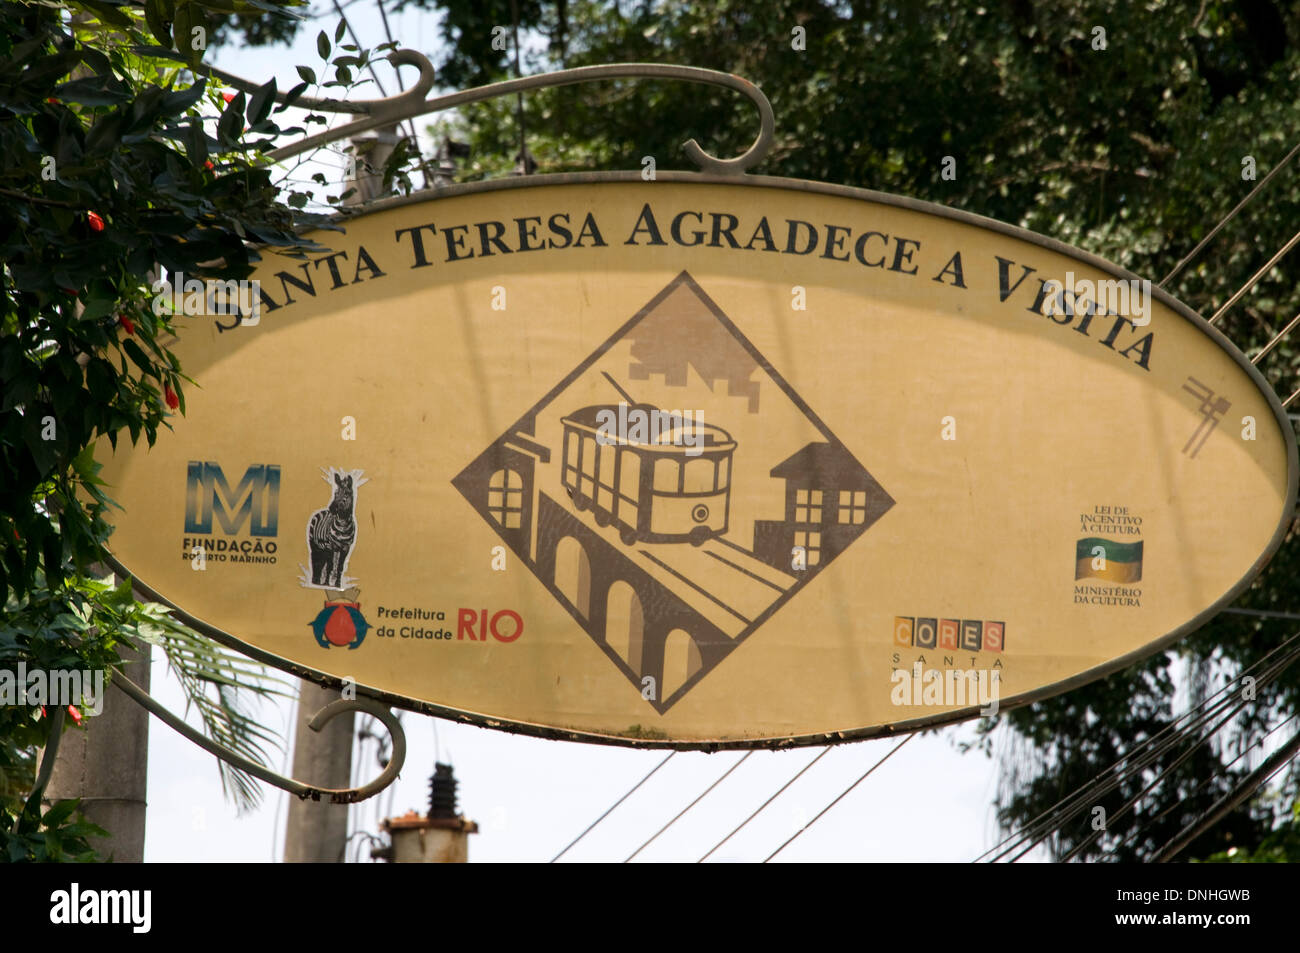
(1269, 675)
(1137, 762)
(1133, 835)
(760, 808)
(1278, 337)
(1148, 752)
(1265, 614)
(1136, 759)
(610, 809)
(843, 793)
(1260, 776)
(679, 814)
(410, 124)
(1229, 217)
(1256, 277)
(1165, 772)
(371, 66)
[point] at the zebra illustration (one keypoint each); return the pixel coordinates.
(332, 532)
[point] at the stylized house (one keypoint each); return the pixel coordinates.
(830, 500)
(501, 485)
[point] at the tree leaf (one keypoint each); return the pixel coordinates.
(259, 107)
(157, 17)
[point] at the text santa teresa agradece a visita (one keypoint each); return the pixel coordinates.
(430, 244)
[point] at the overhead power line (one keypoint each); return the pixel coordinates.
(679, 814)
(1141, 757)
(1164, 773)
(759, 809)
(610, 809)
(841, 797)
(1256, 277)
(1265, 613)
(1252, 782)
(1230, 216)
(1133, 835)
(371, 66)
(1135, 766)
(1278, 337)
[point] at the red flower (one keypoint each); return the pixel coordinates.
(127, 323)
(227, 96)
(172, 400)
(51, 100)
(208, 165)
(76, 715)
(96, 223)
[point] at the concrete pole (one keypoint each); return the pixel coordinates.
(316, 832)
(372, 152)
(106, 765)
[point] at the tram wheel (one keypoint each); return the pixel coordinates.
(699, 535)
(627, 535)
(580, 501)
(602, 518)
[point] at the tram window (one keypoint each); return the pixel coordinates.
(667, 474)
(630, 477)
(699, 476)
(589, 451)
(571, 448)
(724, 473)
(608, 458)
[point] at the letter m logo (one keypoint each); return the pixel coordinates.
(255, 501)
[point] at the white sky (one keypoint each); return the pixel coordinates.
(531, 797)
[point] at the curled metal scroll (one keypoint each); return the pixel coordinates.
(407, 105)
(321, 718)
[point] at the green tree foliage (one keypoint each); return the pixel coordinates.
(119, 158)
(1279, 846)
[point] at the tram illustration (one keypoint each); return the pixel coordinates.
(675, 487)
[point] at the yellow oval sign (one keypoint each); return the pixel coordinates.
(703, 462)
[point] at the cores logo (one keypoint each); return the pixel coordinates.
(254, 502)
(971, 635)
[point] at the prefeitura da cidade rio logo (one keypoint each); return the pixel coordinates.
(340, 623)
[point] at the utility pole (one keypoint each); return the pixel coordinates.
(106, 765)
(316, 832)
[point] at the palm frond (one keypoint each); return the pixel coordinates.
(225, 689)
